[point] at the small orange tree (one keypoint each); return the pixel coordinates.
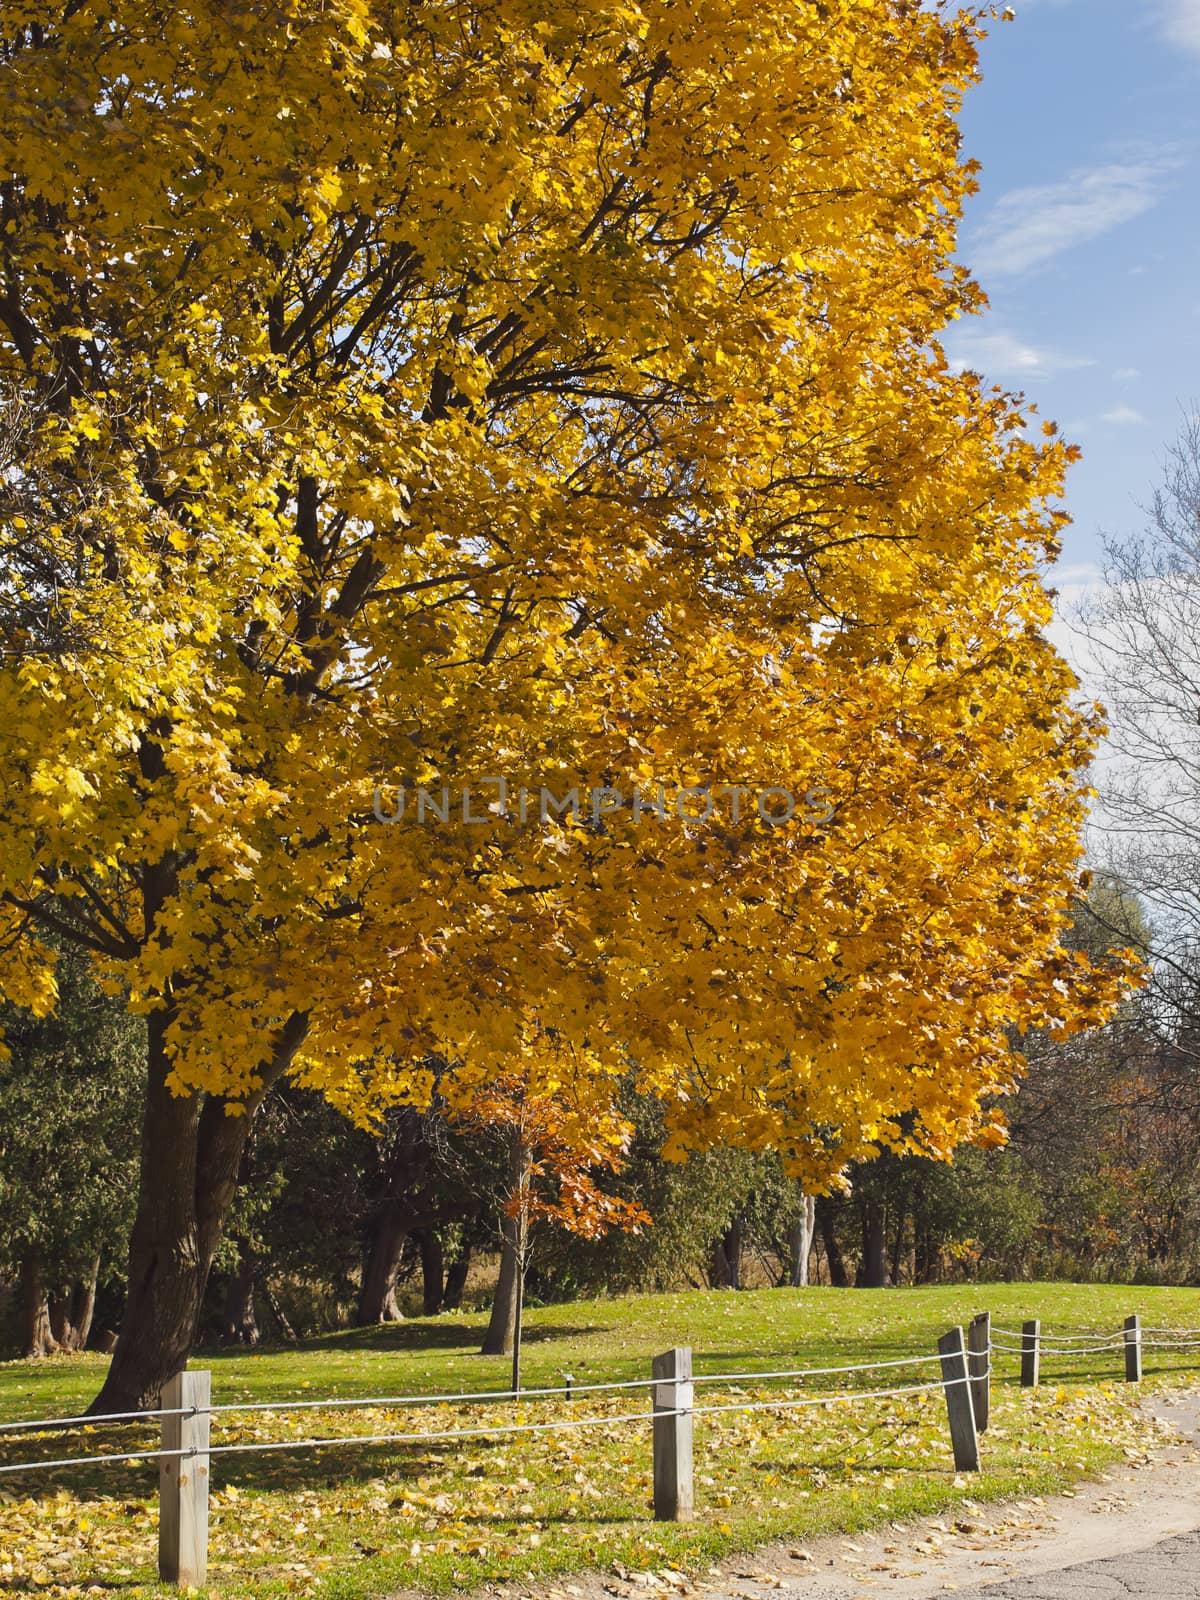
(556, 1155)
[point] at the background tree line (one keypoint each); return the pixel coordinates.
(333, 1225)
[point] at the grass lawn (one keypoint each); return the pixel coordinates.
(349, 1523)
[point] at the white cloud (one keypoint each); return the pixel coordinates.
(1075, 582)
(1123, 416)
(1003, 355)
(1127, 374)
(1074, 587)
(1030, 226)
(1181, 23)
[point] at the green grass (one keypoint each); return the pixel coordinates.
(353, 1522)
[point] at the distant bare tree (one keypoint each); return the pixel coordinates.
(1144, 631)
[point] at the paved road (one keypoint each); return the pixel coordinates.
(1167, 1571)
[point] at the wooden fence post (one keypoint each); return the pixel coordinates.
(673, 1392)
(1133, 1349)
(1031, 1344)
(979, 1360)
(959, 1409)
(183, 1480)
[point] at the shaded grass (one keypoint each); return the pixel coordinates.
(354, 1522)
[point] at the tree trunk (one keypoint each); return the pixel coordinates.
(733, 1251)
(839, 1278)
(898, 1244)
(432, 1270)
(385, 1245)
(456, 1279)
(58, 1308)
(83, 1305)
(872, 1272)
(191, 1151)
(725, 1271)
(71, 1311)
(239, 1325)
(36, 1336)
(286, 1331)
(167, 1267)
(502, 1325)
(800, 1238)
(498, 1341)
(924, 1256)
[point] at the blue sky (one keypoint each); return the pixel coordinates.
(1085, 234)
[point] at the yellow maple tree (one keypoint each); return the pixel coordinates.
(404, 397)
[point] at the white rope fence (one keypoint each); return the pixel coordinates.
(569, 1389)
(186, 1452)
(495, 1430)
(811, 1372)
(832, 1399)
(1030, 1343)
(48, 1424)
(186, 1416)
(1115, 1343)
(1082, 1340)
(465, 1397)
(402, 1402)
